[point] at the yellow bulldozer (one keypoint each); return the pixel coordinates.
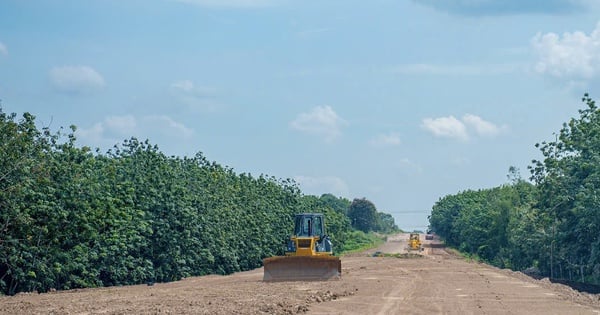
(414, 242)
(308, 254)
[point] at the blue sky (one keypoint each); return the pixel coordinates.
(400, 102)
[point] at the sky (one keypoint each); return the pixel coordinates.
(399, 102)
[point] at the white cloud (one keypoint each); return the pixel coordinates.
(194, 96)
(94, 137)
(114, 129)
(76, 79)
(3, 49)
(122, 125)
(168, 125)
(322, 185)
(232, 3)
(482, 127)
(110, 131)
(386, 140)
(446, 127)
(450, 127)
(321, 121)
(575, 55)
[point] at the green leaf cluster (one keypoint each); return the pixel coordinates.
(71, 217)
(359, 241)
(484, 222)
(364, 217)
(552, 225)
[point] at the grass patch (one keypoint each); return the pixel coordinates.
(359, 241)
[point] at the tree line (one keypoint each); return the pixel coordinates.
(549, 225)
(73, 217)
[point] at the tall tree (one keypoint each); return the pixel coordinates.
(363, 215)
(338, 204)
(569, 179)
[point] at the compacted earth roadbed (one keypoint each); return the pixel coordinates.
(390, 282)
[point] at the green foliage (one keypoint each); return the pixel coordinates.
(338, 204)
(72, 218)
(386, 223)
(569, 181)
(363, 215)
(494, 225)
(359, 241)
(553, 226)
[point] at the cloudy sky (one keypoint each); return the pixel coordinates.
(400, 102)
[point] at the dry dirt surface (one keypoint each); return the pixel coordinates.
(434, 281)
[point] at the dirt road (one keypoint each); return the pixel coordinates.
(434, 283)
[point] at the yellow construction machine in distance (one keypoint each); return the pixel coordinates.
(414, 242)
(308, 255)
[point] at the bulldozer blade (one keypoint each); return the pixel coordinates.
(302, 268)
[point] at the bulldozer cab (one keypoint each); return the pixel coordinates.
(309, 237)
(309, 224)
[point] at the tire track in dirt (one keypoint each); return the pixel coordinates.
(400, 294)
(438, 283)
(442, 283)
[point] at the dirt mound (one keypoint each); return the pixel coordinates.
(285, 307)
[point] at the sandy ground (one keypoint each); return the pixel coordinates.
(435, 282)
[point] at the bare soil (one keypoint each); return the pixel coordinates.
(432, 281)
